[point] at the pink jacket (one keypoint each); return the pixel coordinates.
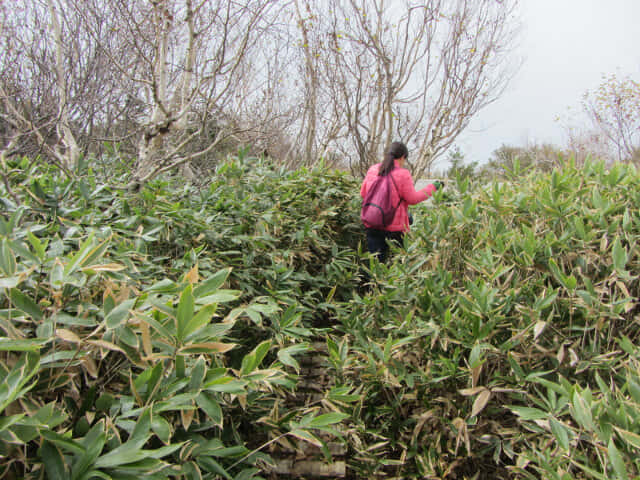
(406, 191)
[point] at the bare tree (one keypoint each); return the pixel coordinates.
(416, 71)
(304, 16)
(67, 139)
(191, 63)
(583, 142)
(58, 91)
(173, 81)
(29, 91)
(614, 110)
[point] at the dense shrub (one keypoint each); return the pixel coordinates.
(154, 334)
(158, 334)
(503, 341)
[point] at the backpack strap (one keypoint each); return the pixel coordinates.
(397, 190)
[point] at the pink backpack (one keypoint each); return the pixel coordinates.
(377, 207)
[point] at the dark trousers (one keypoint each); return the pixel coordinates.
(378, 242)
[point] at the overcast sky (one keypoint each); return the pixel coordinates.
(567, 45)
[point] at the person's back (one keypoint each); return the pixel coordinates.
(402, 193)
(381, 200)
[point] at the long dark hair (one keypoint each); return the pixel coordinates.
(396, 150)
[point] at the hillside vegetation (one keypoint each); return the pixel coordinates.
(158, 334)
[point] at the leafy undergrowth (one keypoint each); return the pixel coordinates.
(155, 334)
(158, 334)
(503, 341)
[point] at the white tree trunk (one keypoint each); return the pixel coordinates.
(71, 153)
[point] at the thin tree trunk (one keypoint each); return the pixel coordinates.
(71, 154)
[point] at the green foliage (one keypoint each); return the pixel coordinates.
(512, 161)
(159, 334)
(154, 334)
(492, 344)
(458, 169)
(614, 109)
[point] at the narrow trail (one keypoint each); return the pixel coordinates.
(306, 461)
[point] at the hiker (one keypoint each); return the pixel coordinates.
(385, 213)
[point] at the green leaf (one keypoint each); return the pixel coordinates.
(185, 312)
(130, 451)
(476, 355)
(306, 436)
(53, 462)
(20, 249)
(161, 329)
(14, 385)
(212, 284)
(332, 347)
(247, 474)
(180, 402)
(545, 302)
(221, 296)
(210, 465)
(25, 304)
(38, 246)
(327, 419)
(568, 282)
(9, 282)
(581, 411)
(617, 461)
(286, 355)
(594, 473)
(226, 385)
(197, 374)
(630, 438)
(200, 320)
(208, 348)
(74, 263)
(561, 433)
(266, 309)
(105, 402)
(253, 315)
(141, 432)
(161, 428)
(7, 422)
(119, 313)
(164, 286)
(619, 254)
(148, 380)
(63, 442)
(229, 452)
(252, 360)
(387, 348)
(56, 277)
(211, 407)
(122, 455)
(7, 259)
(627, 345)
(555, 387)
(31, 345)
(579, 226)
(528, 413)
(93, 443)
(343, 394)
(633, 388)
(94, 254)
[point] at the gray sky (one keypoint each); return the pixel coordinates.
(567, 46)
